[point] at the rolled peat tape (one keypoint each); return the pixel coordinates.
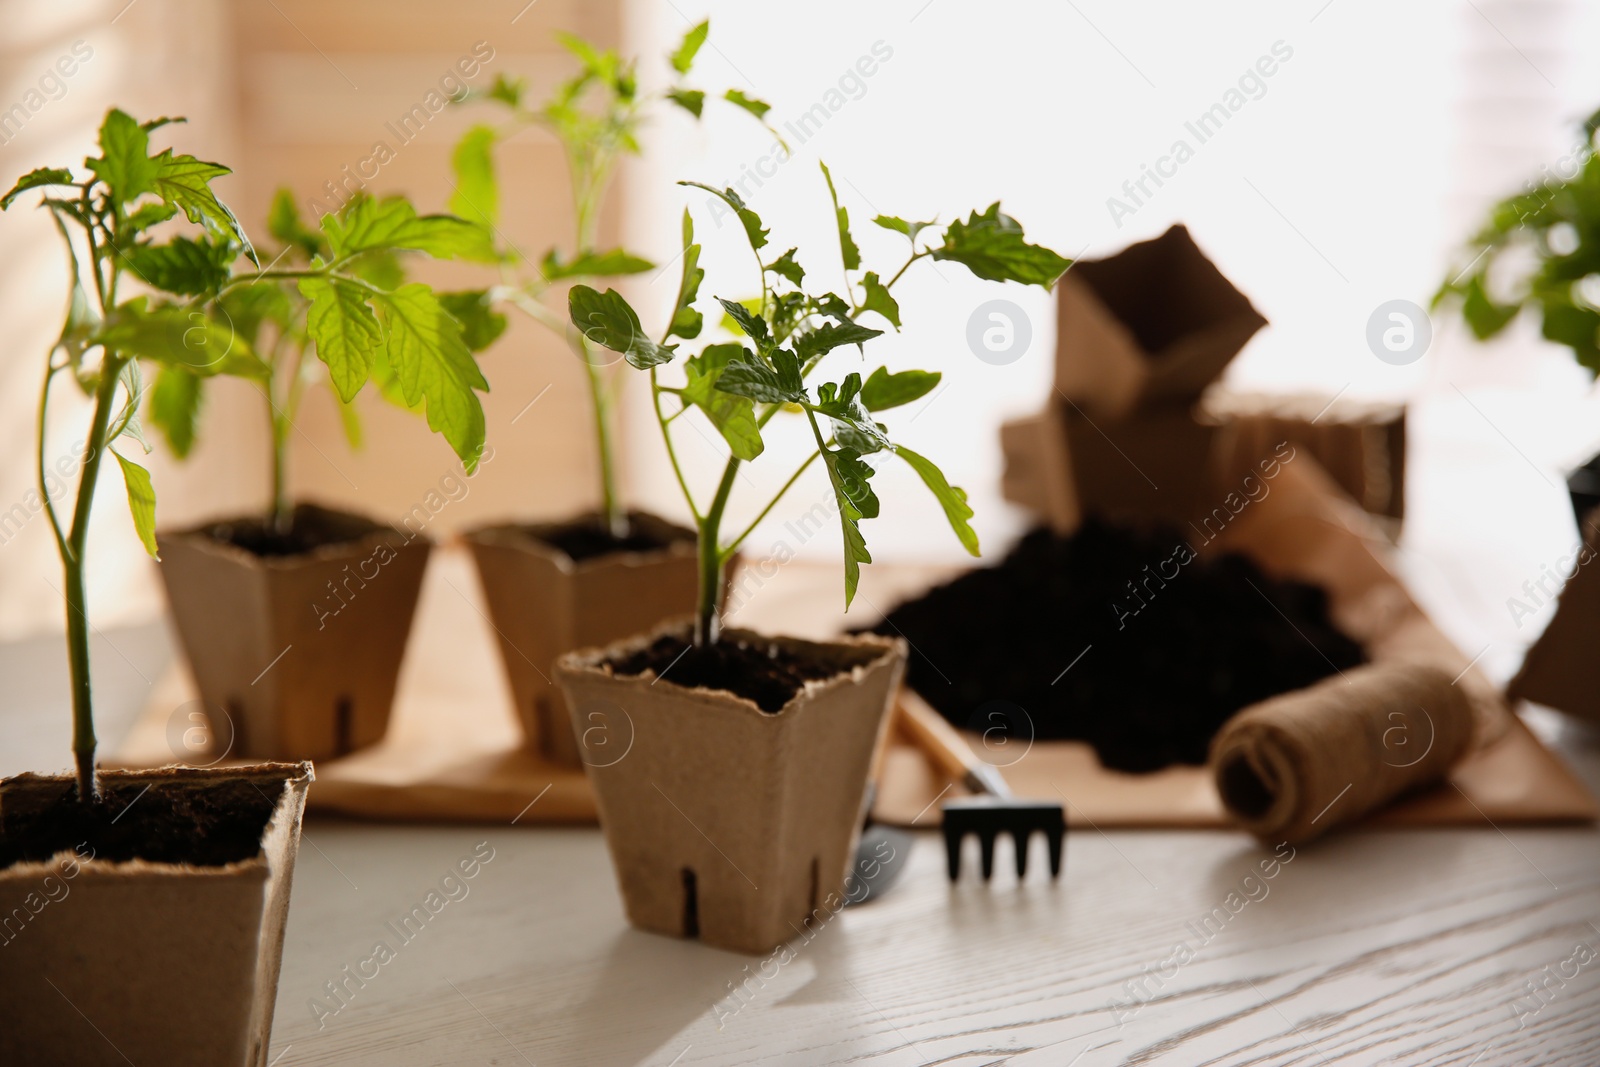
(1294, 767)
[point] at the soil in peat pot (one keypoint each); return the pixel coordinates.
(590, 539)
(1117, 637)
(310, 528)
(206, 825)
(767, 674)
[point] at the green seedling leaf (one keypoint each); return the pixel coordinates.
(481, 324)
(141, 502)
(145, 216)
(682, 57)
(758, 108)
(732, 414)
(686, 321)
(747, 376)
(898, 225)
(847, 244)
(247, 307)
(185, 183)
(182, 266)
(879, 299)
(180, 337)
(753, 230)
(951, 498)
(345, 330)
(852, 426)
(851, 488)
(124, 163)
(392, 224)
(287, 228)
(785, 266)
(433, 364)
(992, 247)
(610, 264)
(691, 100)
(508, 91)
(606, 319)
(36, 179)
(750, 324)
(828, 336)
(884, 390)
(477, 193)
(1484, 317)
(174, 406)
(350, 423)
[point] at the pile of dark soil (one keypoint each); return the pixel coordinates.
(767, 674)
(212, 826)
(1175, 644)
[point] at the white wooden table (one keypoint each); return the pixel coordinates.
(1398, 947)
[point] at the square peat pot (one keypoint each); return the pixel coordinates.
(1155, 321)
(153, 938)
(726, 822)
(544, 602)
(299, 642)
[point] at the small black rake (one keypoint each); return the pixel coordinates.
(993, 809)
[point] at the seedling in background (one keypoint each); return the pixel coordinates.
(595, 116)
(340, 292)
(364, 322)
(1542, 248)
(788, 334)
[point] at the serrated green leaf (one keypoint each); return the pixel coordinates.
(481, 324)
(750, 324)
(367, 224)
(174, 406)
(691, 100)
(508, 91)
(686, 321)
(433, 364)
(879, 299)
(124, 163)
(611, 264)
(247, 307)
(884, 390)
(180, 337)
(185, 183)
(898, 225)
(345, 330)
(992, 247)
(733, 415)
(753, 230)
(381, 269)
(683, 56)
(285, 225)
(785, 266)
(605, 319)
(141, 502)
(849, 477)
(828, 336)
(747, 376)
(145, 216)
(951, 498)
(164, 120)
(35, 179)
(477, 194)
(181, 266)
(847, 244)
(758, 108)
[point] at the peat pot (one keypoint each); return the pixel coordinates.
(549, 592)
(725, 821)
(147, 929)
(298, 637)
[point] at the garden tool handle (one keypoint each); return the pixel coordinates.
(948, 750)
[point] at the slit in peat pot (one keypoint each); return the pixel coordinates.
(343, 714)
(691, 905)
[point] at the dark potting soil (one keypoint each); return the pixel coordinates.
(1115, 637)
(309, 528)
(769, 675)
(210, 826)
(589, 538)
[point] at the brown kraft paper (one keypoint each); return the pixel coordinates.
(1298, 765)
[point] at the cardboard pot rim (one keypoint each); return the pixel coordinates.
(199, 536)
(515, 535)
(589, 663)
(291, 775)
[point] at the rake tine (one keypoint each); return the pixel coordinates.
(1020, 839)
(986, 852)
(952, 846)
